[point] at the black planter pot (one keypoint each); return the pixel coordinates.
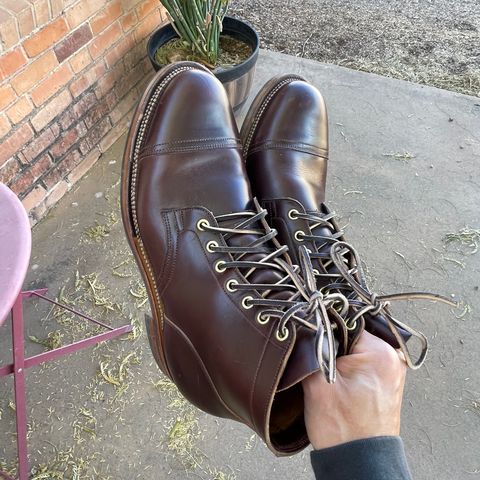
(237, 80)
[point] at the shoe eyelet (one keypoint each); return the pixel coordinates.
(246, 302)
(230, 285)
(293, 214)
(280, 337)
(350, 328)
(202, 224)
(299, 234)
(262, 321)
(220, 266)
(209, 246)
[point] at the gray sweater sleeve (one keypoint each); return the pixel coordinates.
(377, 458)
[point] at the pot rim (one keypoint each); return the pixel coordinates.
(230, 73)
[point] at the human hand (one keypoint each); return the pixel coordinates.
(365, 401)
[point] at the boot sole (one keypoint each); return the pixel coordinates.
(139, 124)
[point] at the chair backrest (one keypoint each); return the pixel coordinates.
(15, 249)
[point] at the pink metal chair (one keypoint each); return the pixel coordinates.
(15, 249)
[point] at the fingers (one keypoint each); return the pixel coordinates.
(375, 352)
(368, 343)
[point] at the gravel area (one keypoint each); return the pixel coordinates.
(432, 42)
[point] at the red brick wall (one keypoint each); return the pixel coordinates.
(71, 72)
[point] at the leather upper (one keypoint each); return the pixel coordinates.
(286, 156)
(288, 152)
(189, 168)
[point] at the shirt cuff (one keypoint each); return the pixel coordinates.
(376, 458)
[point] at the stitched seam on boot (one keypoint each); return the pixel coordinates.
(288, 145)
(190, 145)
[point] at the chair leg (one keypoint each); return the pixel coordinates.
(19, 385)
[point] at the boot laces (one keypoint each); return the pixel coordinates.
(341, 269)
(302, 303)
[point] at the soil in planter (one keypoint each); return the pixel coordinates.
(232, 52)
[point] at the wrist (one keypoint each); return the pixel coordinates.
(339, 435)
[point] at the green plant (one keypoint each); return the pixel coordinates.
(198, 23)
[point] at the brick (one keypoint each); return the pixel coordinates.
(34, 72)
(50, 110)
(124, 106)
(15, 6)
(20, 109)
(41, 166)
(146, 7)
(9, 170)
(101, 109)
(107, 82)
(42, 12)
(15, 142)
(95, 135)
(129, 81)
(22, 183)
(80, 60)
(84, 166)
(163, 14)
(56, 7)
(51, 85)
(67, 140)
(87, 102)
(127, 4)
(10, 62)
(135, 55)
(40, 144)
(67, 119)
(46, 37)
(147, 26)
(105, 39)
(5, 126)
(26, 22)
(128, 21)
(35, 197)
(114, 134)
(119, 51)
(106, 17)
(142, 85)
(56, 194)
(64, 167)
(87, 79)
(82, 10)
(7, 96)
(8, 30)
(73, 42)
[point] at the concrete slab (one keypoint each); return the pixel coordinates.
(403, 173)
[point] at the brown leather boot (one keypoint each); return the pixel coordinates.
(285, 138)
(226, 300)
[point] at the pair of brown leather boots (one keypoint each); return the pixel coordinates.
(251, 284)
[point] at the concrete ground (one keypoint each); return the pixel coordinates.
(433, 42)
(403, 175)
